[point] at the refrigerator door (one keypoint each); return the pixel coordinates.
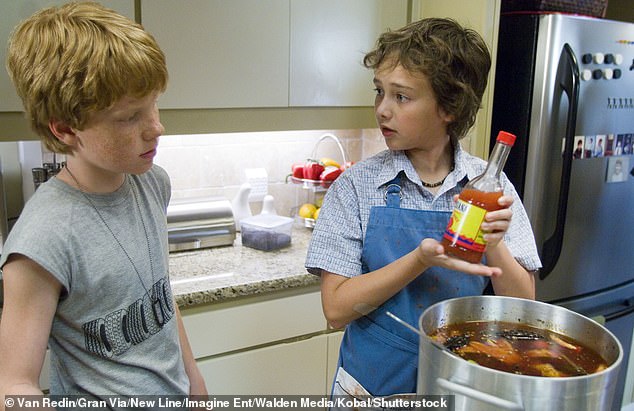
(615, 310)
(582, 221)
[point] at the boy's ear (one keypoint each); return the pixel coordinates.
(63, 132)
(448, 118)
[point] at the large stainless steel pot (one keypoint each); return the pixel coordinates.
(480, 388)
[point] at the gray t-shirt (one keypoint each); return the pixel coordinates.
(114, 330)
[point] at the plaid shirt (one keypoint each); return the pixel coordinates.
(338, 236)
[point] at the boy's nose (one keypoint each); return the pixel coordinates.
(382, 109)
(154, 128)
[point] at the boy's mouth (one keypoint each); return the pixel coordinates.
(149, 154)
(387, 132)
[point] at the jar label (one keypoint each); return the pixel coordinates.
(463, 228)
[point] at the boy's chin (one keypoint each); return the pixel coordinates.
(141, 170)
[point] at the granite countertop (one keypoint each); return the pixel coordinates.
(221, 273)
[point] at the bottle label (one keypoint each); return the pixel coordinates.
(463, 228)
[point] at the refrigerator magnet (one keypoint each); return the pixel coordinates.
(599, 147)
(617, 169)
(579, 150)
(589, 147)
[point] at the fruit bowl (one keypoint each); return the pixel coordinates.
(302, 215)
(319, 173)
(311, 183)
(306, 222)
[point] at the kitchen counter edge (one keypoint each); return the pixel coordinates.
(224, 273)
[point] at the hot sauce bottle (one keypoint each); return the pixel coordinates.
(463, 237)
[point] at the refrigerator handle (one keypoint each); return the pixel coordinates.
(619, 314)
(567, 81)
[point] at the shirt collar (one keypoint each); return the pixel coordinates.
(465, 167)
(398, 162)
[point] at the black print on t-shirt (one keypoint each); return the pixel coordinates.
(119, 330)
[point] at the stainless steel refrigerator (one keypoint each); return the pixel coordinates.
(564, 85)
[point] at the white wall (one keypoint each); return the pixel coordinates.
(213, 164)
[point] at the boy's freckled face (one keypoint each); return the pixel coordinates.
(407, 111)
(124, 137)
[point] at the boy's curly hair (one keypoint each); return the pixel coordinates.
(455, 59)
(71, 61)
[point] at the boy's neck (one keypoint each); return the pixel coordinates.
(433, 165)
(89, 181)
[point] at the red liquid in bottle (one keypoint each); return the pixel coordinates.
(463, 238)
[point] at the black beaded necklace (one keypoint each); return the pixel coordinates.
(157, 309)
(438, 183)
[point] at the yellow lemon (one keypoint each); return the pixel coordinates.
(316, 214)
(307, 210)
(329, 162)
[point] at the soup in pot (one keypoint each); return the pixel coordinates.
(519, 349)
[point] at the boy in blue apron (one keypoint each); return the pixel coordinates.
(376, 242)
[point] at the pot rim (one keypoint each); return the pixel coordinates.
(456, 300)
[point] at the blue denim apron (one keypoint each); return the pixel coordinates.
(379, 353)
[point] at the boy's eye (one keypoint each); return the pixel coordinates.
(130, 118)
(401, 98)
(378, 91)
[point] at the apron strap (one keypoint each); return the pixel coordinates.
(393, 194)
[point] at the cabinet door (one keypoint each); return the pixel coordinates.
(222, 54)
(13, 12)
(334, 342)
(257, 321)
(328, 41)
(296, 368)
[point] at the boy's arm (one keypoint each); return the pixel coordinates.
(30, 299)
(196, 381)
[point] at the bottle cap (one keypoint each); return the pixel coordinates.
(506, 138)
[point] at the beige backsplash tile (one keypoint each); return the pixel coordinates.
(213, 164)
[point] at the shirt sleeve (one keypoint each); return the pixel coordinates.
(42, 235)
(520, 238)
(337, 240)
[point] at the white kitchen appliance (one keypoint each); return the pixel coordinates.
(200, 223)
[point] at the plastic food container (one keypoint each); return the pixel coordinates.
(266, 232)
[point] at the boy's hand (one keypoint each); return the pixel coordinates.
(432, 253)
(496, 223)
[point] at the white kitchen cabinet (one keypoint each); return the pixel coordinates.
(11, 13)
(328, 41)
(45, 375)
(275, 343)
(254, 321)
(292, 368)
(334, 342)
(222, 54)
(276, 53)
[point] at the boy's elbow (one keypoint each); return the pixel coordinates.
(334, 319)
(336, 325)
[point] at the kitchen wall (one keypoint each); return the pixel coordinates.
(202, 165)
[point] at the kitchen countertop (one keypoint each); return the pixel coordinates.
(222, 273)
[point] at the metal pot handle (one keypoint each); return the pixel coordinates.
(478, 395)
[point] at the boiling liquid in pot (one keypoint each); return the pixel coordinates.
(519, 349)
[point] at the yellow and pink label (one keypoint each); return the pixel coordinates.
(463, 228)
